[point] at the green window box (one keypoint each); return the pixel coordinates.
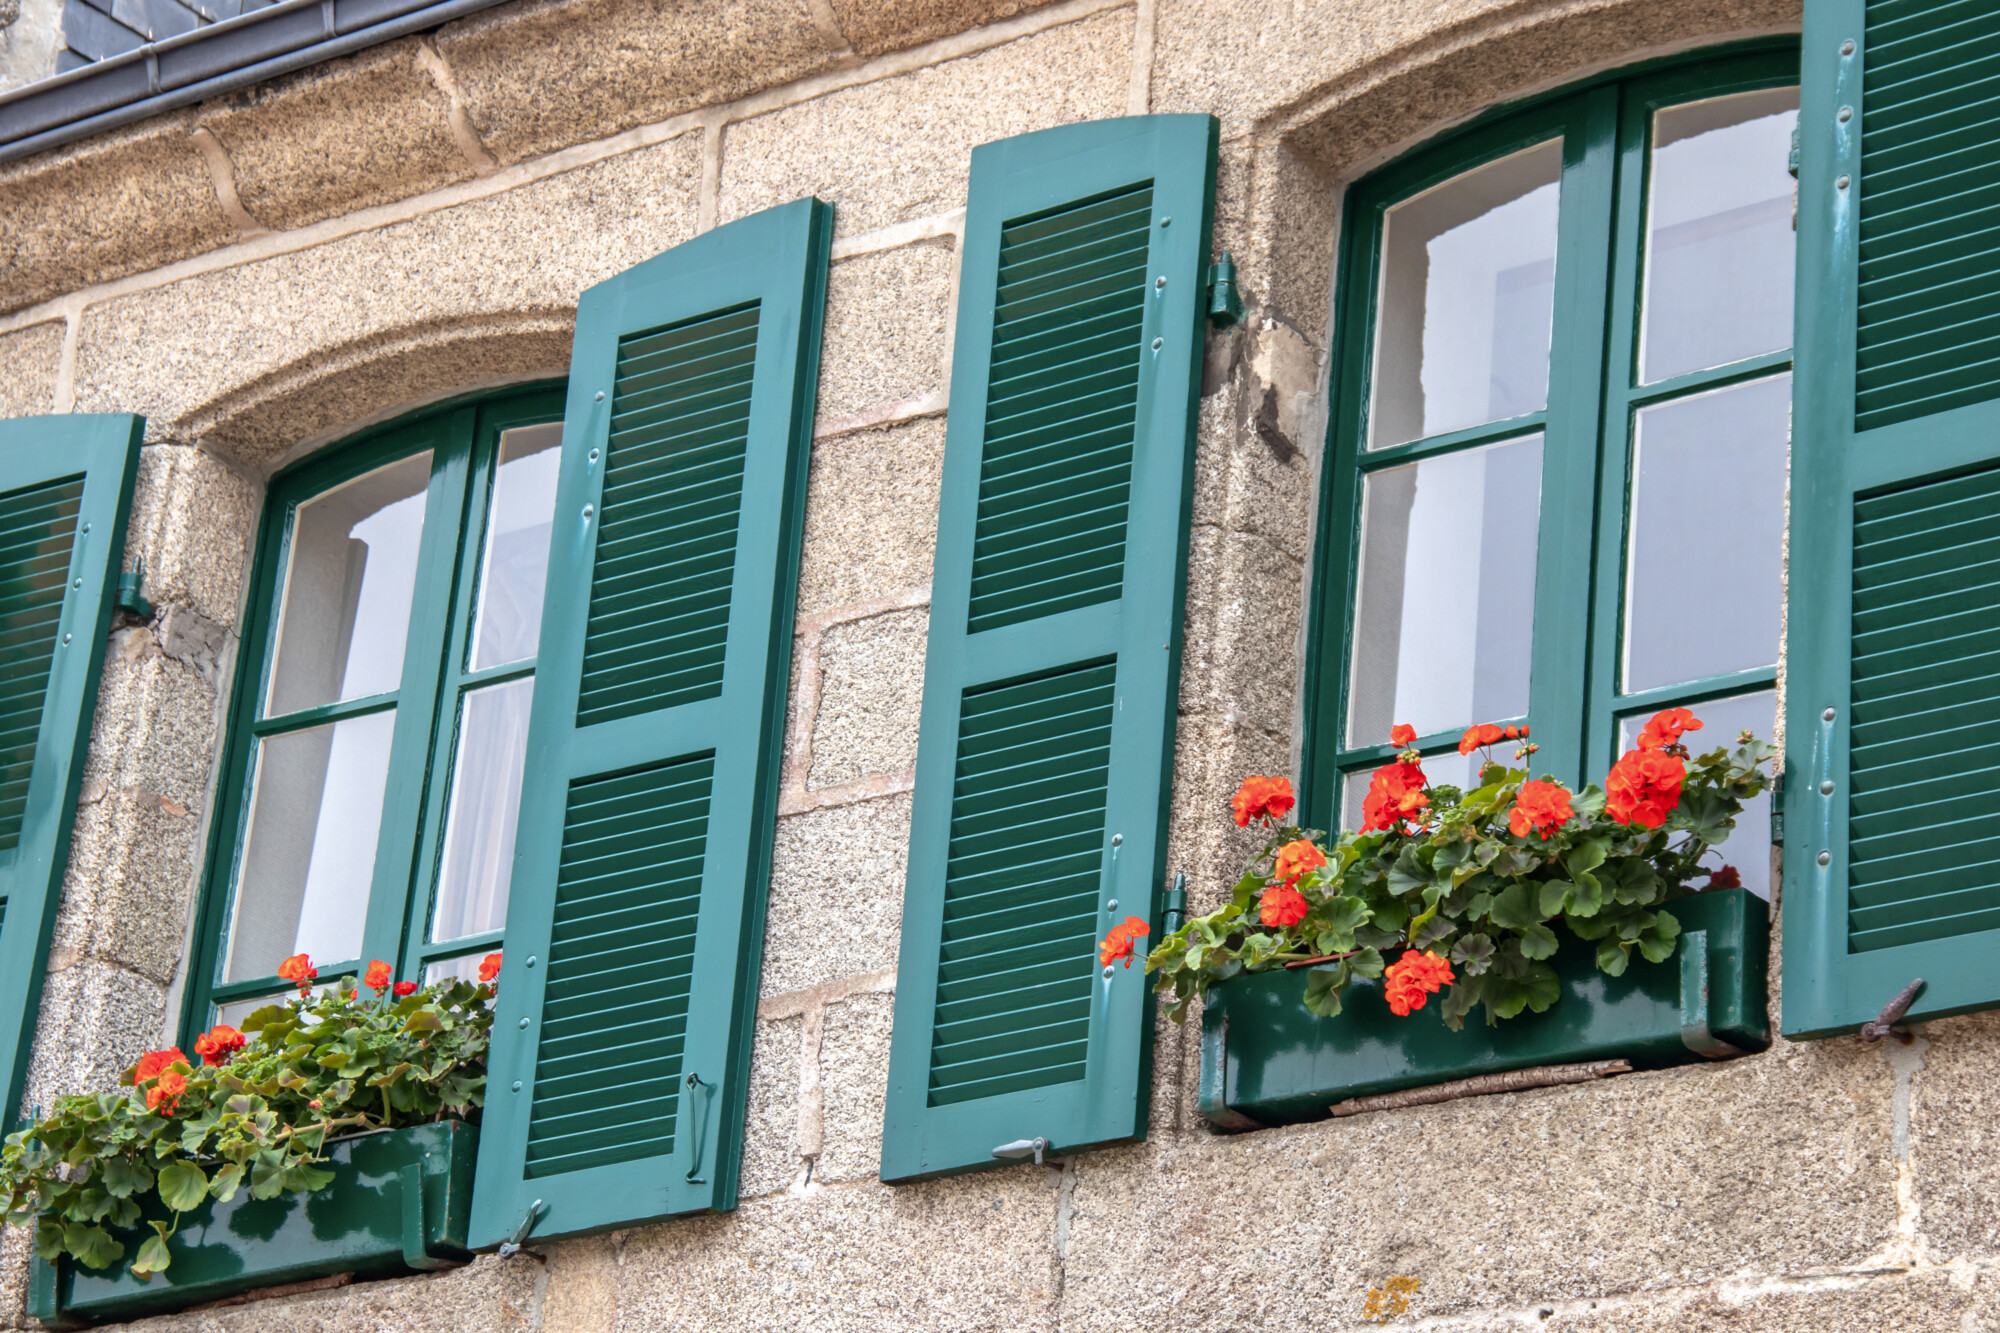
(1267, 1060)
(399, 1201)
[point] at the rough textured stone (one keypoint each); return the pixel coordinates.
(193, 520)
(1955, 1137)
(836, 904)
(117, 203)
(97, 1020)
(1245, 606)
(887, 326)
(28, 43)
(489, 1295)
(854, 1076)
(871, 689)
(1650, 1181)
(967, 1253)
(132, 868)
(896, 149)
(871, 514)
(1891, 1301)
(362, 130)
(543, 76)
(29, 361)
(771, 1121)
(255, 359)
(874, 26)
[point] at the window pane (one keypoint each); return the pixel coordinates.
(1445, 617)
(1467, 292)
(1719, 234)
(236, 1011)
(349, 581)
(1704, 582)
(1749, 847)
(309, 857)
(517, 546)
(478, 856)
(465, 968)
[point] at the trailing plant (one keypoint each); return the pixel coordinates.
(1466, 889)
(253, 1110)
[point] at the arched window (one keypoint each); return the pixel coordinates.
(1555, 484)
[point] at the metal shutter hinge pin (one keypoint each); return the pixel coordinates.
(1225, 301)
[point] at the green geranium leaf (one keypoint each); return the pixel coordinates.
(1587, 899)
(122, 1176)
(1366, 963)
(1323, 986)
(1515, 908)
(92, 1246)
(1656, 941)
(182, 1185)
(152, 1257)
(223, 1188)
(1473, 954)
(1612, 958)
(1555, 896)
(1538, 941)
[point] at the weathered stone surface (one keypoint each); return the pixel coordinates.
(1955, 1136)
(1240, 657)
(771, 1121)
(29, 361)
(1212, 755)
(489, 1295)
(871, 514)
(193, 520)
(362, 130)
(114, 204)
(97, 1020)
(1933, 1301)
(967, 1253)
(854, 1078)
(130, 881)
(836, 904)
(896, 149)
(887, 327)
(255, 359)
(874, 26)
(543, 76)
(1646, 1182)
(871, 690)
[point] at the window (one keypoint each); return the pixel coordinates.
(1556, 478)
(374, 773)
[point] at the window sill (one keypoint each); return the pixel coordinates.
(1267, 1060)
(363, 1223)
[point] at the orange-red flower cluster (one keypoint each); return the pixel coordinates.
(1486, 733)
(152, 1062)
(216, 1045)
(1402, 735)
(1539, 806)
(489, 967)
(1395, 792)
(298, 970)
(1295, 859)
(1282, 905)
(157, 1068)
(1725, 878)
(1666, 727)
(167, 1090)
(1643, 787)
(378, 976)
(1268, 799)
(1119, 942)
(1412, 979)
(405, 988)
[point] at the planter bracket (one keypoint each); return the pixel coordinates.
(1695, 1034)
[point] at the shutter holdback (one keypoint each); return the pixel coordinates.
(1884, 1023)
(1023, 1147)
(512, 1245)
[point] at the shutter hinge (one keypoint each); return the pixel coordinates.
(1778, 810)
(1225, 303)
(1792, 162)
(132, 592)
(1176, 913)
(1023, 1147)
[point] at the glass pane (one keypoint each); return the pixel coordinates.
(485, 802)
(1749, 847)
(1445, 617)
(1466, 300)
(1719, 233)
(464, 969)
(234, 1012)
(517, 546)
(349, 581)
(309, 856)
(1704, 579)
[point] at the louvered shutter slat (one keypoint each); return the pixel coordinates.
(1893, 652)
(65, 493)
(622, 1033)
(1054, 643)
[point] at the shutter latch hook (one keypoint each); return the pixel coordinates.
(512, 1245)
(694, 1081)
(1884, 1023)
(1023, 1147)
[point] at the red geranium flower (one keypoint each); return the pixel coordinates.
(299, 970)
(1295, 859)
(1282, 905)
(1643, 787)
(1412, 979)
(152, 1062)
(167, 1089)
(378, 976)
(1540, 806)
(1118, 942)
(1725, 878)
(489, 967)
(1395, 792)
(1666, 727)
(1484, 734)
(405, 988)
(1268, 799)
(1402, 735)
(216, 1045)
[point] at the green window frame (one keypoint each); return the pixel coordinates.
(463, 439)
(1589, 426)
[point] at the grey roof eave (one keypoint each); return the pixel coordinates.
(205, 63)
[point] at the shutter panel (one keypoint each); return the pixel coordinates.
(622, 1032)
(1050, 682)
(1892, 867)
(65, 496)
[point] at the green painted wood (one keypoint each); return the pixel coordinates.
(634, 930)
(1266, 1057)
(1050, 681)
(368, 1221)
(65, 494)
(1894, 631)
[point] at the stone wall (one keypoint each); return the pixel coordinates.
(261, 276)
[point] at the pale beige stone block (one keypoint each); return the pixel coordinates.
(871, 690)
(874, 26)
(871, 514)
(193, 520)
(771, 1119)
(854, 1081)
(887, 317)
(29, 361)
(836, 904)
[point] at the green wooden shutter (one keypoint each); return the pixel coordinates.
(65, 494)
(1046, 741)
(1892, 860)
(634, 929)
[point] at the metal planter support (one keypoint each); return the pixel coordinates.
(1267, 1060)
(399, 1202)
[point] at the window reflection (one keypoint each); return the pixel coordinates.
(478, 861)
(516, 561)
